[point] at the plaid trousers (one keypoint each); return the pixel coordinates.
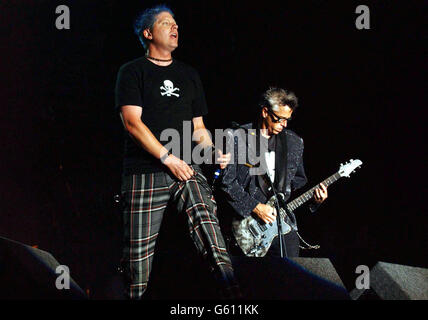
(146, 196)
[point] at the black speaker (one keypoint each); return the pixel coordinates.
(272, 278)
(322, 267)
(390, 281)
(30, 273)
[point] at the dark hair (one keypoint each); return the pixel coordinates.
(274, 97)
(146, 19)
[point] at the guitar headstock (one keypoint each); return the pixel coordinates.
(349, 167)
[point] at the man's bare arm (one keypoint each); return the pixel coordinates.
(131, 119)
(203, 137)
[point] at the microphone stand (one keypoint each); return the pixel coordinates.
(282, 247)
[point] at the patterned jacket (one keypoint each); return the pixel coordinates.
(243, 190)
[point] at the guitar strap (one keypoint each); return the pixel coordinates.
(281, 159)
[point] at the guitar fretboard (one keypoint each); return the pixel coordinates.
(292, 205)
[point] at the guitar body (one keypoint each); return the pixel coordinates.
(255, 237)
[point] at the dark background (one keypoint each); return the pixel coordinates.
(361, 96)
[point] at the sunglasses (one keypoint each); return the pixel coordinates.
(277, 119)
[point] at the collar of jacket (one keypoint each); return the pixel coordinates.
(281, 156)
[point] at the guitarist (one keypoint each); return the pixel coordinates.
(247, 192)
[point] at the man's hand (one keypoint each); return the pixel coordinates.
(320, 194)
(265, 212)
(223, 159)
(180, 169)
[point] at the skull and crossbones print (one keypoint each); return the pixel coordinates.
(168, 89)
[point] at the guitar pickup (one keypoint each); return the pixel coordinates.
(253, 231)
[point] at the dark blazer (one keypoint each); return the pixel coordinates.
(242, 190)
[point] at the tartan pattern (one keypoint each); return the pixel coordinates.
(146, 197)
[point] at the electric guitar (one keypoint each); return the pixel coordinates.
(255, 237)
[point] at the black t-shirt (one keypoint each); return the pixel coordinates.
(168, 95)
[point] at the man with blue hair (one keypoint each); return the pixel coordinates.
(153, 93)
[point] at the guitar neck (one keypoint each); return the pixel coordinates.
(293, 205)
